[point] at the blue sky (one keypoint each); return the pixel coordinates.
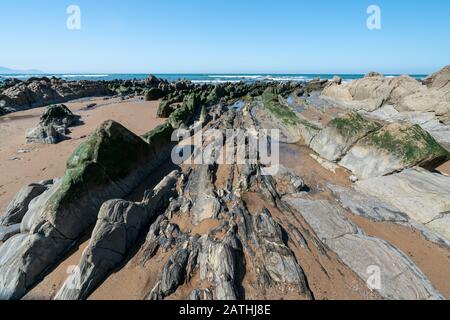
(225, 36)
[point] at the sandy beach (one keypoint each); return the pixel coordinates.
(22, 163)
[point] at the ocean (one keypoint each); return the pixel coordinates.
(201, 78)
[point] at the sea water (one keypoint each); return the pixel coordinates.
(200, 78)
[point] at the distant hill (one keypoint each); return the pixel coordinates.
(4, 70)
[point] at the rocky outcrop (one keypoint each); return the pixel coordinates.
(228, 231)
(439, 80)
(393, 148)
(154, 94)
(371, 207)
(108, 165)
(53, 125)
(333, 142)
(404, 93)
(118, 226)
(369, 149)
(400, 278)
(422, 195)
(201, 192)
(39, 92)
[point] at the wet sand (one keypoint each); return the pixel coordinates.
(22, 163)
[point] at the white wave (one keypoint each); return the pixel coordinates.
(84, 75)
(20, 76)
(299, 78)
(235, 76)
(215, 81)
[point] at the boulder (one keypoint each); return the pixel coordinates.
(403, 92)
(392, 148)
(439, 80)
(334, 141)
(46, 134)
(154, 94)
(53, 125)
(172, 276)
(118, 226)
(107, 165)
(58, 115)
(183, 114)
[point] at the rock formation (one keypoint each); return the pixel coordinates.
(53, 125)
(240, 230)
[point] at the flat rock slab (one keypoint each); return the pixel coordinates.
(363, 205)
(397, 277)
(424, 196)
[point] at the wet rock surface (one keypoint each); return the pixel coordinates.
(239, 230)
(53, 125)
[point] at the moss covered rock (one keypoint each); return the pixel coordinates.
(58, 115)
(170, 103)
(154, 94)
(393, 148)
(272, 103)
(183, 114)
(160, 136)
(334, 141)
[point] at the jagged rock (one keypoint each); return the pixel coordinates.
(404, 93)
(333, 142)
(197, 295)
(108, 165)
(53, 125)
(439, 80)
(373, 74)
(172, 275)
(19, 206)
(392, 148)
(200, 189)
(422, 195)
(58, 115)
(154, 94)
(183, 114)
(370, 207)
(118, 227)
(316, 85)
(279, 261)
(287, 182)
(46, 134)
(400, 278)
(38, 92)
(22, 259)
(217, 266)
(116, 230)
(279, 116)
(337, 80)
